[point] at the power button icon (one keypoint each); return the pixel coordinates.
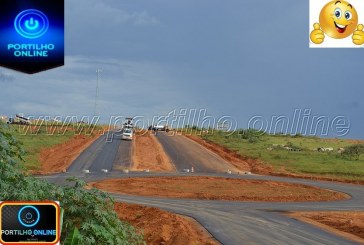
(31, 23)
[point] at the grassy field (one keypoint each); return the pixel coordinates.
(34, 144)
(34, 140)
(307, 161)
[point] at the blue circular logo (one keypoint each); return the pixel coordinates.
(28, 216)
(31, 23)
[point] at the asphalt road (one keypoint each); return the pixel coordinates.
(247, 222)
(185, 154)
(107, 152)
(260, 222)
(229, 222)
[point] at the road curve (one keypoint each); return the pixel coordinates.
(260, 222)
(247, 222)
(185, 154)
(229, 222)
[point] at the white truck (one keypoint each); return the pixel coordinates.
(19, 120)
(161, 128)
(128, 123)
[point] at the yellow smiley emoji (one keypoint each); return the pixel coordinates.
(338, 19)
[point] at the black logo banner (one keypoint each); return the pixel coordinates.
(29, 223)
(31, 35)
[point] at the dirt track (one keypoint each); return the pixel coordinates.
(212, 188)
(149, 154)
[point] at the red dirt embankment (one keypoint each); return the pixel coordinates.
(149, 154)
(258, 166)
(58, 158)
(347, 224)
(214, 188)
(240, 162)
(161, 227)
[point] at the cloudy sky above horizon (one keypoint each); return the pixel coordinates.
(233, 58)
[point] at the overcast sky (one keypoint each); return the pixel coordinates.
(234, 58)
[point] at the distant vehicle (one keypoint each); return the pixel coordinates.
(19, 120)
(127, 134)
(55, 120)
(323, 149)
(160, 128)
(128, 123)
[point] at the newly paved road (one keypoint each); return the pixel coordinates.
(107, 152)
(233, 223)
(260, 223)
(185, 154)
(229, 222)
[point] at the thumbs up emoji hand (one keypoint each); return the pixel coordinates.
(317, 35)
(358, 35)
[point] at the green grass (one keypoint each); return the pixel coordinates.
(307, 161)
(34, 143)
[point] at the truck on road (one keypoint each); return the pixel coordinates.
(159, 128)
(19, 120)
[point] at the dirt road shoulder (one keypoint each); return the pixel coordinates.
(58, 158)
(149, 154)
(217, 188)
(346, 224)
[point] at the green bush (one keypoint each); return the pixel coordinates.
(10, 149)
(91, 212)
(293, 146)
(252, 135)
(353, 151)
(253, 139)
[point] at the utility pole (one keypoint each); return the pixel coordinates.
(98, 72)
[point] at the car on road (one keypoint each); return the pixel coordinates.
(127, 134)
(159, 128)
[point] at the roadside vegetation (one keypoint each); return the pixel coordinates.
(89, 216)
(297, 154)
(35, 138)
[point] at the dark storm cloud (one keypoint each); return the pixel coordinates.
(236, 58)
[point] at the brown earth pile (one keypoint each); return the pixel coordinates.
(213, 188)
(148, 153)
(161, 227)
